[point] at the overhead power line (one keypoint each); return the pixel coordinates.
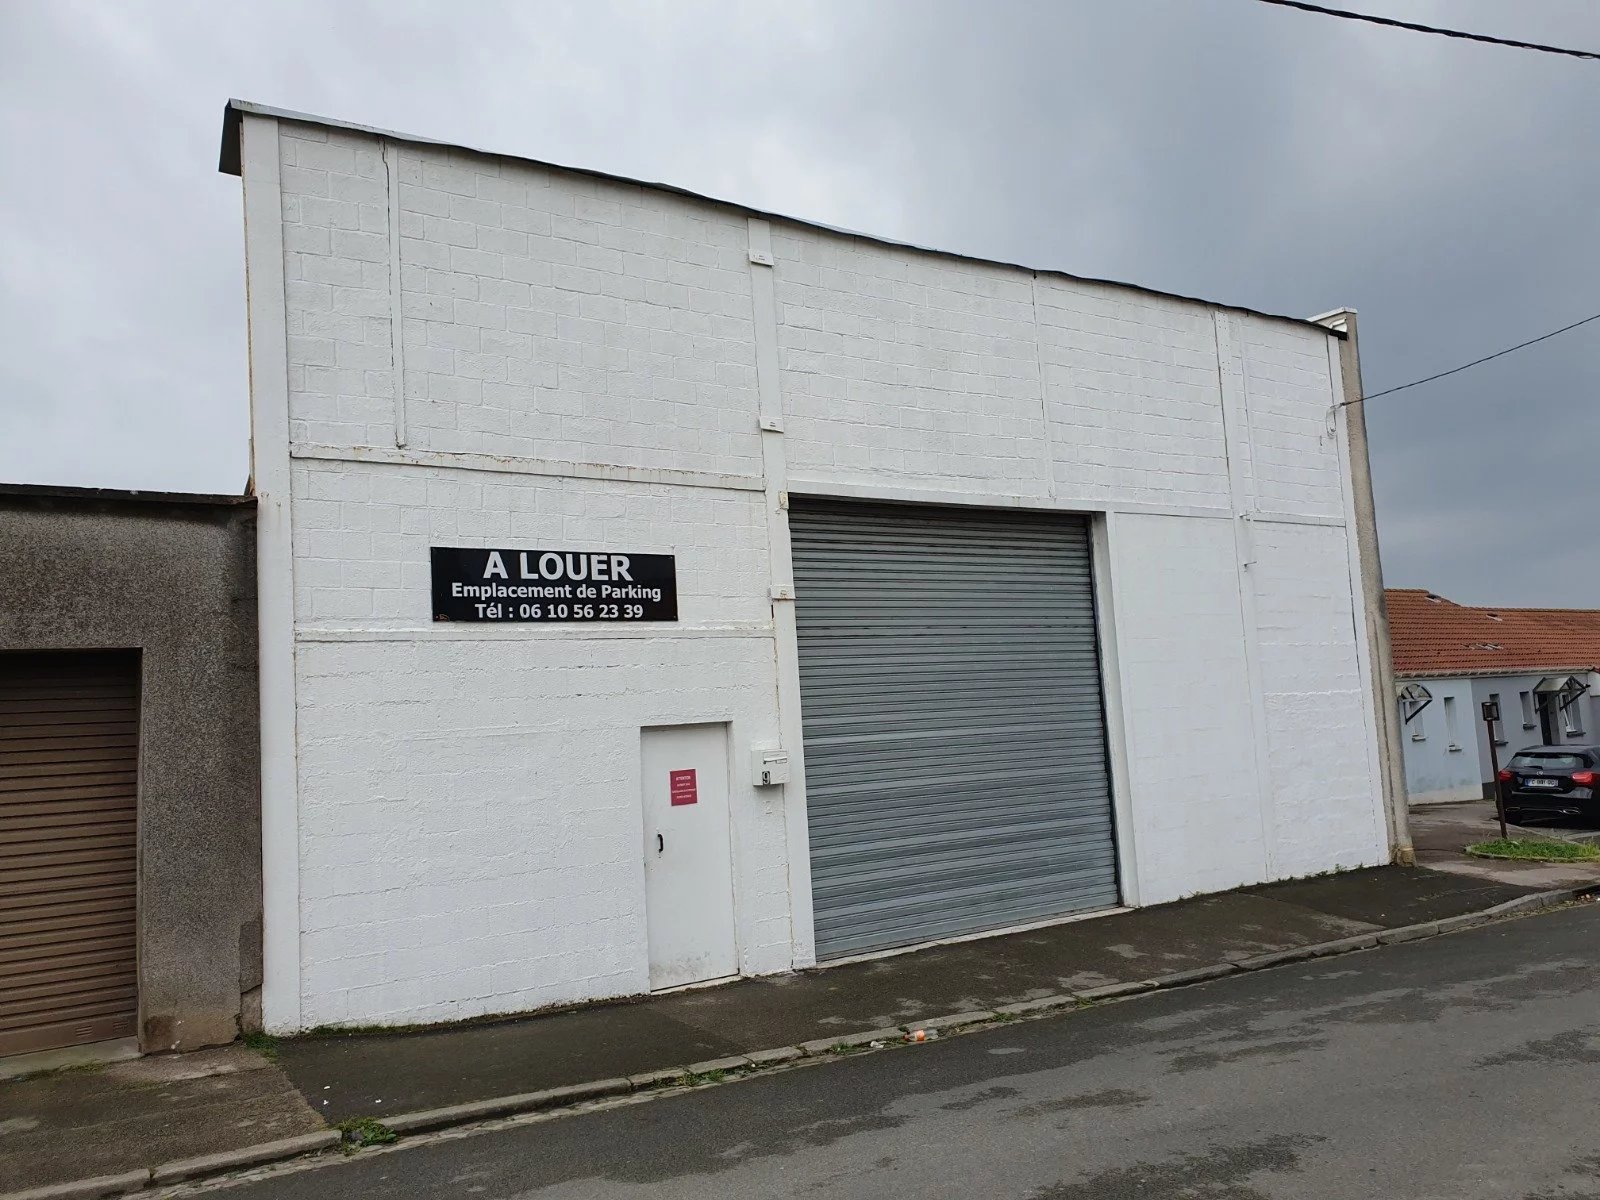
(1392, 23)
(1475, 362)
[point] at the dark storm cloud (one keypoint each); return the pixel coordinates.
(1213, 147)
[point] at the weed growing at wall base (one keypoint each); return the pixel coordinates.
(263, 1044)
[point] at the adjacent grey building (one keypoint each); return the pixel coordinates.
(130, 878)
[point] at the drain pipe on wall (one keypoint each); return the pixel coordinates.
(1351, 412)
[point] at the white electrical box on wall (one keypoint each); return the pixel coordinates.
(769, 766)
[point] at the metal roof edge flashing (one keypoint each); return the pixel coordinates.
(229, 163)
(45, 491)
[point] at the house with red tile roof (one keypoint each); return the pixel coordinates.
(1540, 666)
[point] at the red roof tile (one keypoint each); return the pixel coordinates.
(1434, 636)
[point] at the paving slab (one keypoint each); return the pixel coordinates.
(1441, 832)
(85, 1122)
(1539, 877)
(1391, 896)
(789, 1009)
(1120, 948)
(1162, 940)
(346, 1076)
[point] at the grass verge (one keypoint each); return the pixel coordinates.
(1535, 850)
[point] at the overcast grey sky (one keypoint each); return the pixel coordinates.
(1219, 148)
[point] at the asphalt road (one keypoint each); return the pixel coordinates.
(1466, 1066)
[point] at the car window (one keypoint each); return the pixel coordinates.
(1550, 762)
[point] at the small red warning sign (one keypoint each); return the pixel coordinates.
(684, 788)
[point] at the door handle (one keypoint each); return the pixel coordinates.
(661, 844)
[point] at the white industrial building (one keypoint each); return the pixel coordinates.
(654, 590)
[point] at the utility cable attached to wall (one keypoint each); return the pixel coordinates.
(1466, 366)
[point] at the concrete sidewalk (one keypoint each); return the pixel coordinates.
(85, 1122)
(72, 1124)
(1441, 832)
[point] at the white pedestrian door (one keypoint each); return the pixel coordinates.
(688, 871)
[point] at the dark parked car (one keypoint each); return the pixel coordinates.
(1552, 781)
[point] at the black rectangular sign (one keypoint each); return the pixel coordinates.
(553, 585)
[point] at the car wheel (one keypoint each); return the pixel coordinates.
(1514, 816)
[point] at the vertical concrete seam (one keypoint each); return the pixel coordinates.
(267, 308)
(1230, 392)
(1044, 396)
(397, 345)
(785, 637)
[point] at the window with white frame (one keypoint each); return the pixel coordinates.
(1529, 720)
(1572, 715)
(1450, 723)
(1413, 699)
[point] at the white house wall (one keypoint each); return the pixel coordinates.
(1515, 733)
(1439, 770)
(579, 364)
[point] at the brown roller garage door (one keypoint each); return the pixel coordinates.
(69, 731)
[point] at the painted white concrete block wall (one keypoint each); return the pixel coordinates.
(578, 366)
(1295, 458)
(335, 247)
(362, 532)
(906, 367)
(1313, 695)
(470, 838)
(1197, 810)
(468, 799)
(1132, 397)
(920, 374)
(470, 827)
(548, 316)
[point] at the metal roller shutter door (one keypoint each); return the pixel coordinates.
(955, 752)
(69, 728)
